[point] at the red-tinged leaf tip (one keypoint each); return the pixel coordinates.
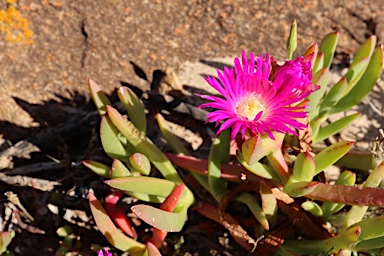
(117, 214)
(113, 197)
(152, 250)
(109, 230)
(170, 202)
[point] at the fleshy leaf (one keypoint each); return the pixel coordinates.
(357, 212)
(118, 170)
(144, 145)
(5, 239)
(304, 168)
(321, 78)
(358, 160)
(114, 236)
(328, 47)
(110, 140)
(333, 96)
(365, 84)
(346, 178)
(146, 185)
(335, 127)
(313, 208)
(166, 221)
(348, 195)
(354, 74)
(152, 250)
(99, 98)
(98, 168)
(370, 228)
(330, 245)
(312, 50)
(175, 143)
(292, 40)
(254, 207)
(140, 163)
(331, 154)
(231, 172)
(369, 245)
(298, 189)
(168, 205)
(258, 168)
(365, 51)
(319, 62)
(117, 214)
(217, 185)
(269, 203)
(251, 150)
(134, 107)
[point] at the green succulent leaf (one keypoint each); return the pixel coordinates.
(5, 239)
(140, 163)
(321, 78)
(252, 150)
(370, 228)
(369, 245)
(319, 63)
(217, 185)
(269, 203)
(292, 40)
(175, 143)
(98, 96)
(258, 168)
(330, 245)
(333, 96)
(98, 168)
(225, 145)
(354, 74)
(312, 50)
(358, 160)
(365, 83)
(365, 51)
(304, 168)
(328, 47)
(114, 236)
(134, 107)
(144, 145)
(110, 140)
(331, 154)
(299, 189)
(119, 170)
(335, 127)
(142, 184)
(313, 208)
(315, 126)
(166, 221)
(254, 207)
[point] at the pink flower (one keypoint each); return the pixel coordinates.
(259, 96)
(104, 252)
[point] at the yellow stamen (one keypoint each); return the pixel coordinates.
(249, 106)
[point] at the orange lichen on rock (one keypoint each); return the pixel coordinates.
(14, 26)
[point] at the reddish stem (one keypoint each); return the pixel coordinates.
(168, 205)
(117, 214)
(226, 220)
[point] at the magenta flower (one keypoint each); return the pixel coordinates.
(260, 97)
(104, 252)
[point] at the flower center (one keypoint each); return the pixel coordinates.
(249, 106)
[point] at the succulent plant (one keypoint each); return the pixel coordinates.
(277, 115)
